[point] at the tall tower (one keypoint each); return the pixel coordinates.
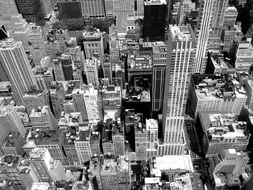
(203, 33)
(181, 51)
(154, 15)
(219, 8)
(93, 9)
(16, 65)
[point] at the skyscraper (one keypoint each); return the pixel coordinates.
(91, 71)
(181, 52)
(154, 15)
(93, 9)
(203, 33)
(30, 9)
(16, 65)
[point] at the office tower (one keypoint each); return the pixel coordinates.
(124, 173)
(95, 143)
(13, 144)
(154, 15)
(16, 65)
(8, 9)
(158, 74)
(20, 30)
(40, 162)
(58, 71)
(217, 20)
(42, 118)
(70, 149)
(203, 34)
(69, 9)
(82, 144)
(10, 119)
(30, 9)
(118, 139)
(140, 142)
(91, 103)
(36, 44)
(108, 174)
(215, 94)
(113, 45)
(231, 169)
(109, 8)
(232, 31)
(27, 174)
(93, 44)
(57, 95)
(46, 7)
(217, 132)
(34, 100)
(107, 143)
(125, 19)
(9, 170)
(67, 67)
(77, 55)
(91, 71)
(111, 97)
(93, 9)
(139, 8)
(49, 139)
(244, 55)
(62, 36)
(79, 103)
(152, 137)
(180, 56)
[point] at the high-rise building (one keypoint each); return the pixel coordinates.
(69, 9)
(10, 119)
(215, 94)
(46, 7)
(158, 74)
(43, 119)
(154, 15)
(218, 132)
(9, 170)
(30, 9)
(93, 9)
(57, 96)
(13, 144)
(82, 144)
(8, 9)
(34, 100)
(79, 103)
(125, 19)
(91, 103)
(67, 67)
(219, 8)
(16, 65)
(181, 52)
(36, 44)
(203, 34)
(231, 169)
(232, 31)
(152, 137)
(109, 8)
(108, 174)
(40, 161)
(91, 71)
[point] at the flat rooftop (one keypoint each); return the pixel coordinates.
(181, 33)
(223, 125)
(174, 162)
(108, 168)
(155, 2)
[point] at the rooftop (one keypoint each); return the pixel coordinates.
(181, 33)
(174, 162)
(10, 161)
(43, 137)
(221, 127)
(155, 2)
(108, 168)
(11, 139)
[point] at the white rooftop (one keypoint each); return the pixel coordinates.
(174, 162)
